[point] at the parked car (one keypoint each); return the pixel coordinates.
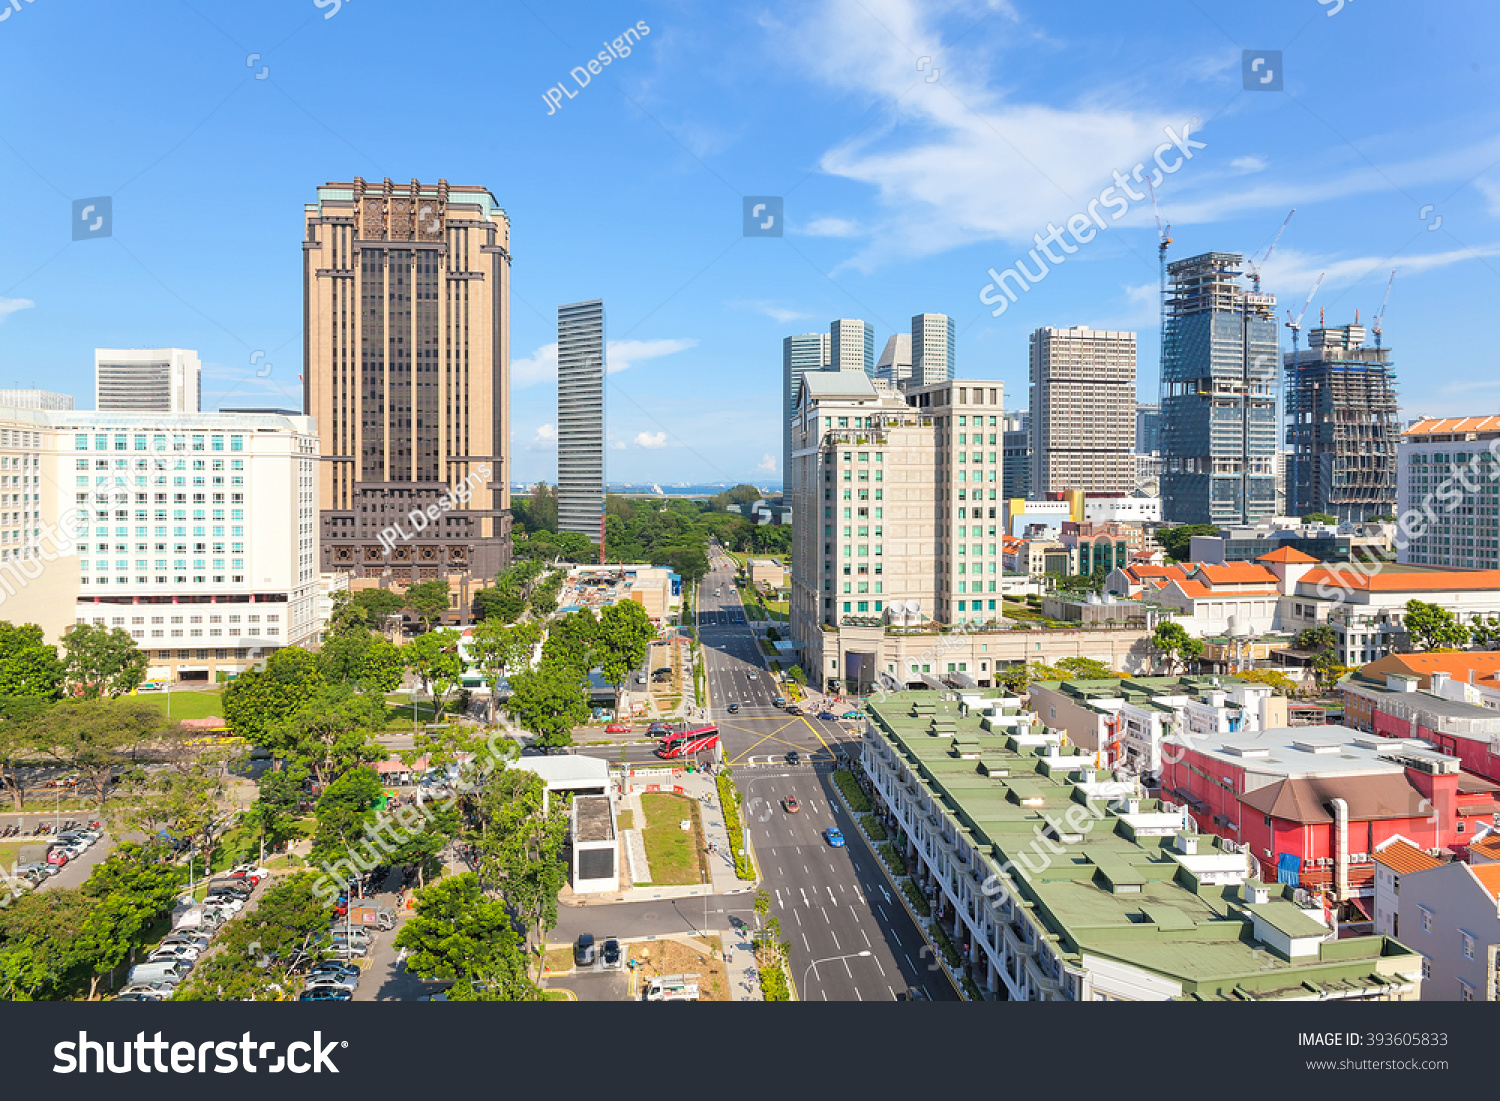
(151, 686)
(583, 950)
(327, 981)
(185, 940)
(57, 857)
(658, 730)
(325, 994)
(828, 716)
(779, 701)
(174, 953)
(791, 804)
(145, 992)
(612, 953)
(753, 675)
(332, 967)
(793, 709)
(834, 836)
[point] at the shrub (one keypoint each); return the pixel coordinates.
(874, 828)
(773, 985)
(729, 799)
(950, 953)
(893, 859)
(971, 988)
(853, 794)
(915, 896)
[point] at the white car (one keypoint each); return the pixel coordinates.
(753, 675)
(331, 982)
(160, 991)
(174, 953)
(228, 901)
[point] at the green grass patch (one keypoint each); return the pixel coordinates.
(853, 794)
(675, 855)
(914, 895)
(185, 705)
(627, 819)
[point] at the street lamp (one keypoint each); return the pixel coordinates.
(831, 959)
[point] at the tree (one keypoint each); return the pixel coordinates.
(501, 605)
(329, 732)
(261, 698)
(459, 934)
(523, 845)
(623, 640)
(797, 676)
(1320, 518)
(571, 640)
(341, 658)
(433, 658)
(1177, 541)
(499, 648)
(347, 617)
(1433, 627)
(381, 668)
(102, 661)
(180, 799)
(345, 811)
(1085, 669)
(94, 736)
(253, 955)
(549, 701)
(18, 742)
(1019, 677)
(42, 946)
(1172, 639)
(379, 606)
(28, 666)
(1485, 633)
(277, 804)
(428, 600)
(129, 890)
(1317, 639)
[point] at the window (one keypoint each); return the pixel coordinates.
(1426, 919)
(1468, 945)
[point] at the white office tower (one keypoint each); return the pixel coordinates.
(852, 346)
(894, 365)
(799, 354)
(196, 533)
(35, 399)
(580, 418)
(932, 349)
(147, 380)
(1083, 410)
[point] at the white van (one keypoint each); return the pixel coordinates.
(162, 972)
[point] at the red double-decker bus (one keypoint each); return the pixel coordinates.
(685, 743)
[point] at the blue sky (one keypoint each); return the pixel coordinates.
(904, 180)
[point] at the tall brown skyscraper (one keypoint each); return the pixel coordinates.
(406, 353)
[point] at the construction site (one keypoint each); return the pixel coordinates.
(1342, 426)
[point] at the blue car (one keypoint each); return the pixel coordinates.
(835, 837)
(828, 716)
(329, 994)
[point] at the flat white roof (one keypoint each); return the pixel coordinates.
(565, 772)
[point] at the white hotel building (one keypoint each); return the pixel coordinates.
(196, 533)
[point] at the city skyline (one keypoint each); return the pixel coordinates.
(707, 302)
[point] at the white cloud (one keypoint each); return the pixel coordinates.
(651, 440)
(9, 306)
(541, 365)
(780, 314)
(1290, 274)
(767, 463)
(1249, 164)
(618, 445)
(833, 227)
(546, 437)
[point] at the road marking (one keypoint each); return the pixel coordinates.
(778, 894)
(804, 894)
(908, 962)
(826, 918)
(836, 943)
(808, 947)
(851, 975)
(858, 995)
(796, 915)
(886, 893)
(825, 995)
(830, 892)
(863, 934)
(883, 913)
(841, 886)
(893, 994)
(877, 964)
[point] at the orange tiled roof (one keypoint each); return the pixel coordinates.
(1489, 847)
(1286, 554)
(1434, 581)
(1444, 425)
(1199, 589)
(1401, 857)
(1489, 876)
(1236, 573)
(1457, 666)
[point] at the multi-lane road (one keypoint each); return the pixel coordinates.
(850, 938)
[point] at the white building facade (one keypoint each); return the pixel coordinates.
(147, 380)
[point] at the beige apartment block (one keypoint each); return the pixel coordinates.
(406, 291)
(38, 569)
(1083, 410)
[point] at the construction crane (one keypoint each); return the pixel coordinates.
(1254, 266)
(1296, 324)
(1379, 318)
(1163, 239)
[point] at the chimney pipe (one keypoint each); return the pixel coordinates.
(1340, 848)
